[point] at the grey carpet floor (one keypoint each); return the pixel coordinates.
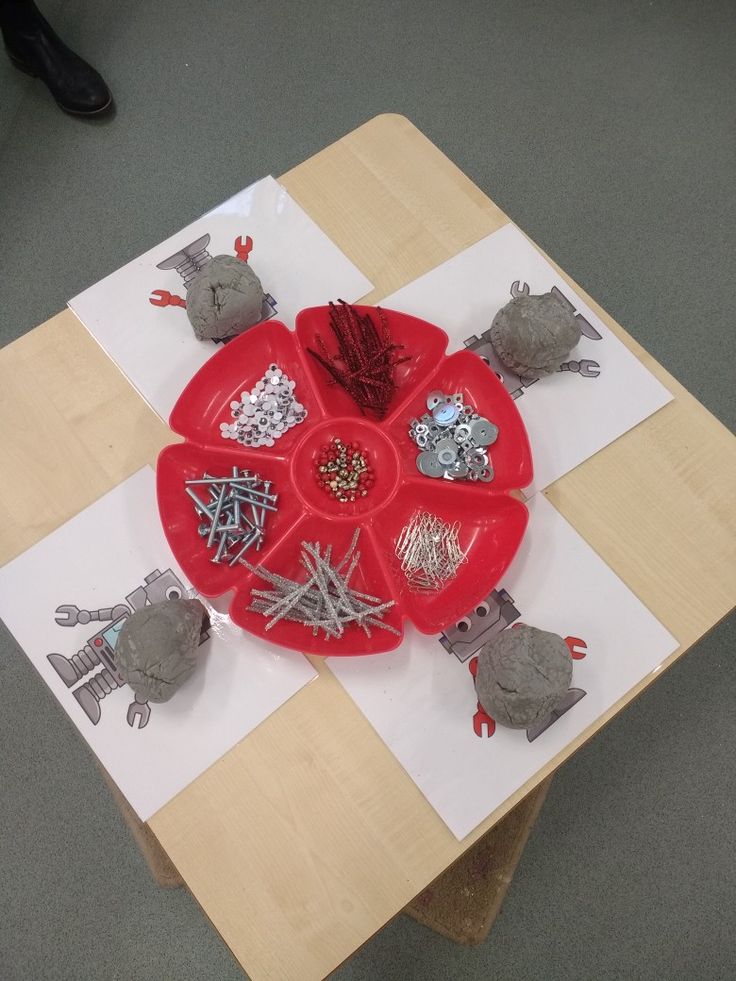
(606, 130)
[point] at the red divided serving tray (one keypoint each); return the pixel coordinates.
(492, 522)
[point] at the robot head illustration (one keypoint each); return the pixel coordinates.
(486, 620)
(159, 586)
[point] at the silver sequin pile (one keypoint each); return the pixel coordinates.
(453, 439)
(265, 413)
(325, 601)
(429, 551)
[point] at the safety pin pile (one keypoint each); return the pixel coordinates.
(429, 551)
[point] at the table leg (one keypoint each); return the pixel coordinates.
(162, 868)
(464, 901)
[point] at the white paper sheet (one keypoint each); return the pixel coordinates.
(298, 265)
(421, 699)
(100, 559)
(569, 415)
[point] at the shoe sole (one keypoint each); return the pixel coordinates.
(27, 70)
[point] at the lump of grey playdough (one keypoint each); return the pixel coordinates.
(157, 648)
(533, 335)
(523, 673)
(224, 298)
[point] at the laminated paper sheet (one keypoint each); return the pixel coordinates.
(298, 265)
(601, 393)
(110, 560)
(421, 698)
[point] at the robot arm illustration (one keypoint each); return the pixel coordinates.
(481, 720)
(243, 249)
(70, 616)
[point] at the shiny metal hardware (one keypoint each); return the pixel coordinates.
(266, 412)
(429, 551)
(235, 518)
(453, 439)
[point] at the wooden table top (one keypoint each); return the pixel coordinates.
(307, 837)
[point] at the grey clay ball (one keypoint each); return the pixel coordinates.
(533, 335)
(523, 673)
(158, 647)
(224, 299)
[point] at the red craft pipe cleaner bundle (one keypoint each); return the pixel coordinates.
(365, 359)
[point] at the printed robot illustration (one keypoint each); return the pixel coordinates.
(99, 651)
(465, 638)
(189, 260)
(512, 382)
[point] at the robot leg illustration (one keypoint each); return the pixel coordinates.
(91, 692)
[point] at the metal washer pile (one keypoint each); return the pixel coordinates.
(453, 439)
(265, 413)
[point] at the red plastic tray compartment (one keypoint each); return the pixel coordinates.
(492, 521)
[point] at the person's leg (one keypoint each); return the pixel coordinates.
(33, 47)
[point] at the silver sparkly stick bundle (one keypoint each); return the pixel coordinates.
(325, 600)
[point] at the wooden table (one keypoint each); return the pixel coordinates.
(308, 836)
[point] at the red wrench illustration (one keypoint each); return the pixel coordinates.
(243, 250)
(162, 298)
(481, 717)
(577, 647)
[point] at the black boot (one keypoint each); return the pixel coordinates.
(34, 48)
